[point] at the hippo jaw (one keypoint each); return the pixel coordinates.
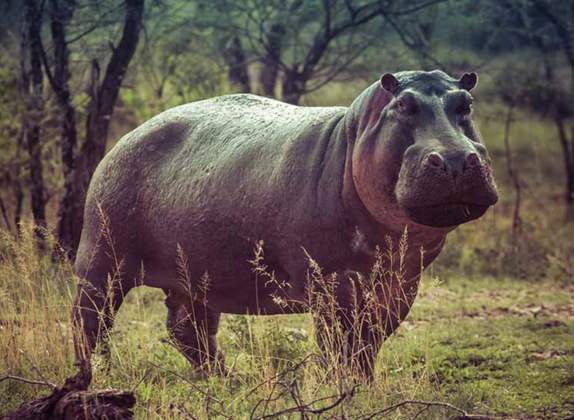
(436, 202)
(445, 215)
(433, 199)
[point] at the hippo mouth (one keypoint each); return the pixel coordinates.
(445, 215)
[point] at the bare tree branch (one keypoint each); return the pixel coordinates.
(307, 408)
(418, 7)
(405, 38)
(463, 414)
(27, 381)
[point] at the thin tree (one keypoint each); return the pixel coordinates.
(237, 64)
(103, 98)
(61, 12)
(512, 173)
(31, 90)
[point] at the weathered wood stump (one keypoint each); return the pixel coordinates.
(74, 401)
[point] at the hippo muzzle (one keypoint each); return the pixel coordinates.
(448, 187)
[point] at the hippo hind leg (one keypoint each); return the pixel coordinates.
(193, 328)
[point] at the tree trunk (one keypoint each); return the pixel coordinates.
(4, 213)
(236, 61)
(102, 103)
(270, 68)
(31, 87)
(17, 186)
(60, 14)
(293, 87)
(570, 199)
(568, 156)
(572, 159)
(516, 219)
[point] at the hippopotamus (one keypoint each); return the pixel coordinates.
(183, 201)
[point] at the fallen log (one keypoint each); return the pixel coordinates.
(74, 401)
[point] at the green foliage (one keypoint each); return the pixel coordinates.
(10, 111)
(173, 75)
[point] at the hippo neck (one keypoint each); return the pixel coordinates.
(361, 115)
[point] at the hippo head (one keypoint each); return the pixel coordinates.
(417, 155)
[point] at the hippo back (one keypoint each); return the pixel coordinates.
(213, 177)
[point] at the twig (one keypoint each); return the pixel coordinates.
(38, 371)
(28, 381)
(307, 409)
(276, 379)
(281, 374)
(194, 386)
(463, 414)
(267, 400)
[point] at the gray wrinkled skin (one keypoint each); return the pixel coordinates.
(213, 178)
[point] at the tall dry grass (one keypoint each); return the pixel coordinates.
(35, 296)
(272, 367)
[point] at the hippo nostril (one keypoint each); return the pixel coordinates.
(472, 160)
(435, 160)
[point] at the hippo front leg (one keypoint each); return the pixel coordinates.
(353, 317)
(193, 327)
(92, 318)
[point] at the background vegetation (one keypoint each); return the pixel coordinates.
(491, 331)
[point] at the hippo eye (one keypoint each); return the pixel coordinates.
(465, 109)
(407, 105)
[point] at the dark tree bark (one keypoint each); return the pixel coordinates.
(17, 184)
(4, 213)
(516, 219)
(61, 11)
(102, 103)
(568, 156)
(238, 72)
(292, 87)
(31, 88)
(273, 46)
(270, 62)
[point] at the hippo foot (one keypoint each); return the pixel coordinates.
(213, 367)
(351, 372)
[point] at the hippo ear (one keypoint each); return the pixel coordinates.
(389, 83)
(468, 81)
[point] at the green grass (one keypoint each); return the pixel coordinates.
(487, 345)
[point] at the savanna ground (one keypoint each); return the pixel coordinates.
(491, 332)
